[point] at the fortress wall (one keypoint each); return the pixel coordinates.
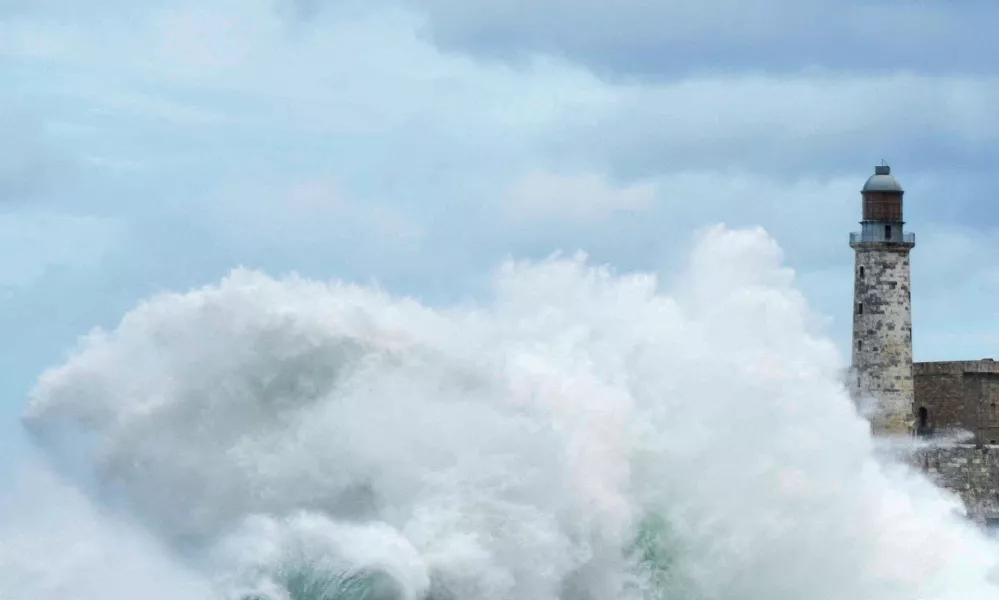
(942, 395)
(959, 395)
(970, 471)
(986, 365)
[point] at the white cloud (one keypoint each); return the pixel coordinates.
(371, 73)
(665, 38)
(356, 135)
(791, 124)
(581, 198)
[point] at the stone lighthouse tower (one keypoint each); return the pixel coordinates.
(882, 313)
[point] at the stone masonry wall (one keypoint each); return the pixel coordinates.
(882, 334)
(942, 394)
(959, 395)
(972, 472)
(987, 429)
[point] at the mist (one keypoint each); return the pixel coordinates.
(579, 434)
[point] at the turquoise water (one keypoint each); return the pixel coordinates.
(302, 583)
(650, 553)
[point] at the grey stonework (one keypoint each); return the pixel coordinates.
(970, 471)
(882, 334)
(958, 396)
(952, 405)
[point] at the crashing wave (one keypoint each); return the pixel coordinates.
(583, 435)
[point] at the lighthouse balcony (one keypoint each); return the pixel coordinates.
(879, 236)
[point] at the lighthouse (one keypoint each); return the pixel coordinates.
(882, 309)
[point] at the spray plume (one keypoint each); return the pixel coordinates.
(584, 435)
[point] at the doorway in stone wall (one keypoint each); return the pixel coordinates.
(992, 526)
(923, 422)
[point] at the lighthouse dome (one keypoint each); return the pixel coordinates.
(882, 181)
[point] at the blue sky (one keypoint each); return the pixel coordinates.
(155, 145)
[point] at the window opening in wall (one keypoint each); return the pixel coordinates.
(860, 344)
(887, 232)
(861, 272)
(992, 411)
(860, 308)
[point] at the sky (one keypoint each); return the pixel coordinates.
(154, 146)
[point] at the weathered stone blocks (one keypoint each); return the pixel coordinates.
(882, 334)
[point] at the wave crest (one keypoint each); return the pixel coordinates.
(584, 435)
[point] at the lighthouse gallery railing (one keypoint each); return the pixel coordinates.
(863, 236)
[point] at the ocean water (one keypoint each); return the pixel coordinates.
(580, 434)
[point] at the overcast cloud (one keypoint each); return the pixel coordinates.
(674, 38)
(155, 145)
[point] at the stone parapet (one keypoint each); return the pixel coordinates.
(956, 367)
